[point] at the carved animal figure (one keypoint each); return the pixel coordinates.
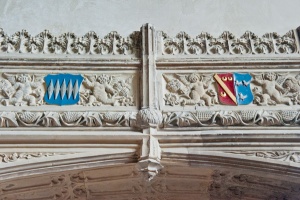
(25, 89)
(270, 84)
(102, 91)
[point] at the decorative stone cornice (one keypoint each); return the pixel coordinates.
(228, 44)
(69, 43)
(182, 44)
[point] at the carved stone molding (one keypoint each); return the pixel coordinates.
(228, 44)
(69, 43)
(12, 157)
(174, 183)
(182, 44)
(286, 156)
(67, 119)
(232, 118)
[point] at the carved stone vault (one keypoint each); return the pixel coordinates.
(150, 122)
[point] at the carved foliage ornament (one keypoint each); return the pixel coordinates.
(286, 156)
(232, 118)
(227, 43)
(12, 157)
(149, 118)
(67, 119)
(114, 44)
(69, 43)
(97, 90)
(262, 89)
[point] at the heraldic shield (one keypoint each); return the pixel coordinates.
(234, 88)
(62, 89)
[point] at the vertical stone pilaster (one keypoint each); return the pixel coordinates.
(149, 117)
(149, 92)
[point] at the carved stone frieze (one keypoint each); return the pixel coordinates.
(107, 89)
(67, 119)
(12, 157)
(69, 43)
(228, 44)
(21, 89)
(268, 89)
(190, 89)
(286, 156)
(114, 44)
(100, 89)
(232, 118)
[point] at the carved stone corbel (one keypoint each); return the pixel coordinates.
(149, 162)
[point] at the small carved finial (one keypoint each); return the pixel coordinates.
(150, 168)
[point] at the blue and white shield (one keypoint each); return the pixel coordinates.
(62, 89)
(243, 91)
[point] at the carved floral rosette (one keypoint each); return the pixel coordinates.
(228, 44)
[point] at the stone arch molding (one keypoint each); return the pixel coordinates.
(151, 101)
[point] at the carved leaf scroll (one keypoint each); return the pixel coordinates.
(232, 118)
(68, 119)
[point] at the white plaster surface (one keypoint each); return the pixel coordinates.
(172, 16)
